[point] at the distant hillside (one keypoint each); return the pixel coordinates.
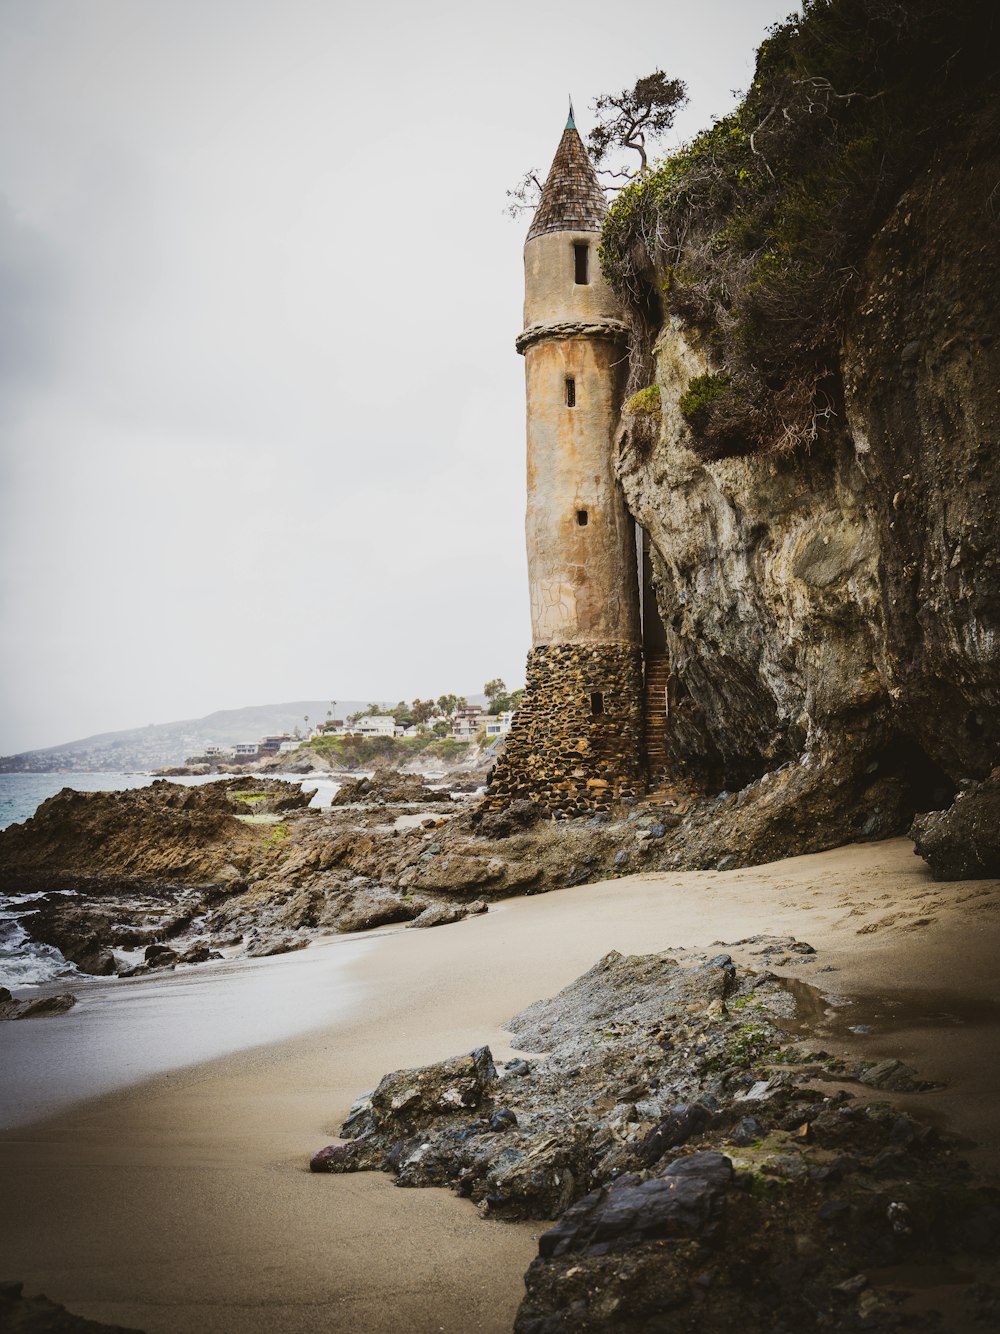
(171, 743)
(161, 744)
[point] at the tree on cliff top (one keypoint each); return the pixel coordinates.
(636, 118)
(633, 118)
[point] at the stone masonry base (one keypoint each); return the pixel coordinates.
(576, 744)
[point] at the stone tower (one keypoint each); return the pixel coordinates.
(576, 743)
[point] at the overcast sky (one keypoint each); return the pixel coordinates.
(261, 414)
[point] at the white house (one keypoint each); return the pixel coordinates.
(498, 724)
(382, 724)
(245, 748)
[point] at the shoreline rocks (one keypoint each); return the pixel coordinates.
(963, 842)
(43, 1007)
(703, 1169)
(248, 859)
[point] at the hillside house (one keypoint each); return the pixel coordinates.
(498, 724)
(271, 745)
(381, 724)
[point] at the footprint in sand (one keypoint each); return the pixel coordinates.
(894, 919)
(988, 892)
(871, 927)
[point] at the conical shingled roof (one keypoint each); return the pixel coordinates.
(572, 198)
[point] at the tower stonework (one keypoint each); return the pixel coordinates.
(576, 741)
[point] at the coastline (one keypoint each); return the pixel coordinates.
(126, 1031)
(210, 1220)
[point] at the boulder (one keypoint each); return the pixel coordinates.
(349, 1156)
(365, 908)
(386, 787)
(198, 954)
(44, 1007)
(91, 956)
(685, 1200)
(407, 1100)
(963, 842)
(684, 1120)
(160, 956)
(443, 914)
(519, 815)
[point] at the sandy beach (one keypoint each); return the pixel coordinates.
(184, 1203)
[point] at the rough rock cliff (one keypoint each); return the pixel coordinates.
(830, 596)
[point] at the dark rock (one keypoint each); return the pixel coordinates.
(408, 1099)
(44, 1007)
(567, 1134)
(349, 1157)
(683, 1201)
(385, 787)
(90, 956)
(893, 1075)
(519, 815)
(443, 914)
(963, 842)
(684, 1121)
(160, 956)
(251, 795)
(747, 1131)
(366, 908)
(198, 954)
(268, 946)
(834, 1210)
(517, 1067)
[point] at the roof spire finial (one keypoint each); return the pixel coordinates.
(571, 123)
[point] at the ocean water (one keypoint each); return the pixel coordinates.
(23, 963)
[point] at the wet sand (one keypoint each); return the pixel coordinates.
(184, 1203)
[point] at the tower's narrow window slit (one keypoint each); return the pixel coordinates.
(581, 259)
(582, 518)
(570, 392)
(597, 703)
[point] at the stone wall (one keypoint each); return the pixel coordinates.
(559, 752)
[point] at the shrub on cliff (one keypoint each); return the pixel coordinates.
(752, 235)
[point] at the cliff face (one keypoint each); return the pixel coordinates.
(831, 611)
(921, 374)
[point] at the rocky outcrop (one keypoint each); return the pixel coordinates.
(385, 787)
(443, 914)
(963, 842)
(832, 615)
(161, 835)
(44, 1007)
(701, 1175)
(174, 874)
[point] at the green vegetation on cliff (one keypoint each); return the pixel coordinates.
(753, 234)
(360, 752)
